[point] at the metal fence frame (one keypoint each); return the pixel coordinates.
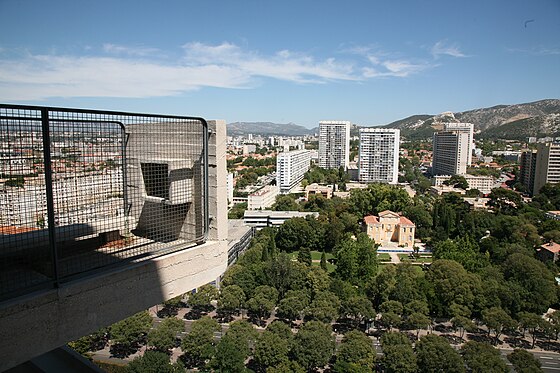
(47, 117)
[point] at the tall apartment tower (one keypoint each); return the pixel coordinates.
(547, 167)
(290, 169)
(528, 165)
(465, 128)
(334, 144)
(452, 149)
(378, 160)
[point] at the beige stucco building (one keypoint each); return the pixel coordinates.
(390, 227)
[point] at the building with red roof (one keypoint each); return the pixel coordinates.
(549, 251)
(390, 227)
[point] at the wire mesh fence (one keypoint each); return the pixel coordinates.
(82, 190)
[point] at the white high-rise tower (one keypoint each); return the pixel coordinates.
(334, 144)
(379, 155)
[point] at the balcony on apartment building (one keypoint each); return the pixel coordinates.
(104, 214)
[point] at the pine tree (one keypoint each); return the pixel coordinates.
(324, 261)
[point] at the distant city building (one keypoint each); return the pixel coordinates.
(248, 149)
(467, 128)
(378, 160)
(547, 166)
(444, 189)
(315, 189)
(390, 227)
(477, 203)
(334, 144)
(484, 184)
(451, 153)
(262, 198)
(527, 168)
(230, 188)
(290, 169)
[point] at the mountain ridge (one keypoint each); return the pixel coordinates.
(516, 121)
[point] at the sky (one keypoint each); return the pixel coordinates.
(370, 62)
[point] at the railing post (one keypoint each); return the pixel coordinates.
(49, 191)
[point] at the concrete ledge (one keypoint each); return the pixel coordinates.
(43, 321)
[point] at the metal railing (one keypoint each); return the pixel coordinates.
(84, 190)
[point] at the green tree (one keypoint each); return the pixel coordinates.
(358, 307)
(524, 361)
(281, 329)
(434, 354)
(313, 345)
(292, 308)
(199, 345)
(130, 331)
(505, 201)
(399, 358)
(285, 202)
(418, 321)
(164, 336)
(271, 350)
(241, 276)
(229, 358)
(154, 362)
(483, 358)
(497, 320)
(202, 299)
(324, 261)
(462, 324)
(286, 367)
(325, 307)
(450, 284)
(263, 301)
(531, 322)
(304, 256)
(536, 280)
(356, 350)
(231, 299)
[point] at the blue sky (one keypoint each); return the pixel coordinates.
(370, 62)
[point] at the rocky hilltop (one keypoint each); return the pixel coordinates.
(540, 118)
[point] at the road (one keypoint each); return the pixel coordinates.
(550, 361)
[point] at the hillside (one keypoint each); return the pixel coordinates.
(539, 126)
(519, 121)
(267, 128)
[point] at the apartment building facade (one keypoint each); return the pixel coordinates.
(547, 165)
(451, 153)
(334, 144)
(291, 168)
(379, 155)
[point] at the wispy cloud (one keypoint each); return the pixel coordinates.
(443, 48)
(130, 51)
(135, 72)
(536, 51)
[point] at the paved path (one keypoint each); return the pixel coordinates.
(395, 258)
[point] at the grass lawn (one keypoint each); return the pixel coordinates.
(384, 257)
(422, 259)
(316, 257)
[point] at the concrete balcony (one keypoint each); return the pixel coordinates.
(61, 280)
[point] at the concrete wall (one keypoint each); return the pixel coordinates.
(40, 322)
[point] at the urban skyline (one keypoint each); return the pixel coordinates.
(280, 62)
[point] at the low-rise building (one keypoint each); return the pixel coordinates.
(554, 215)
(261, 219)
(477, 203)
(262, 198)
(324, 190)
(549, 252)
(443, 189)
(390, 227)
(484, 184)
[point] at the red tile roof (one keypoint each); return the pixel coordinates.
(553, 247)
(370, 219)
(405, 222)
